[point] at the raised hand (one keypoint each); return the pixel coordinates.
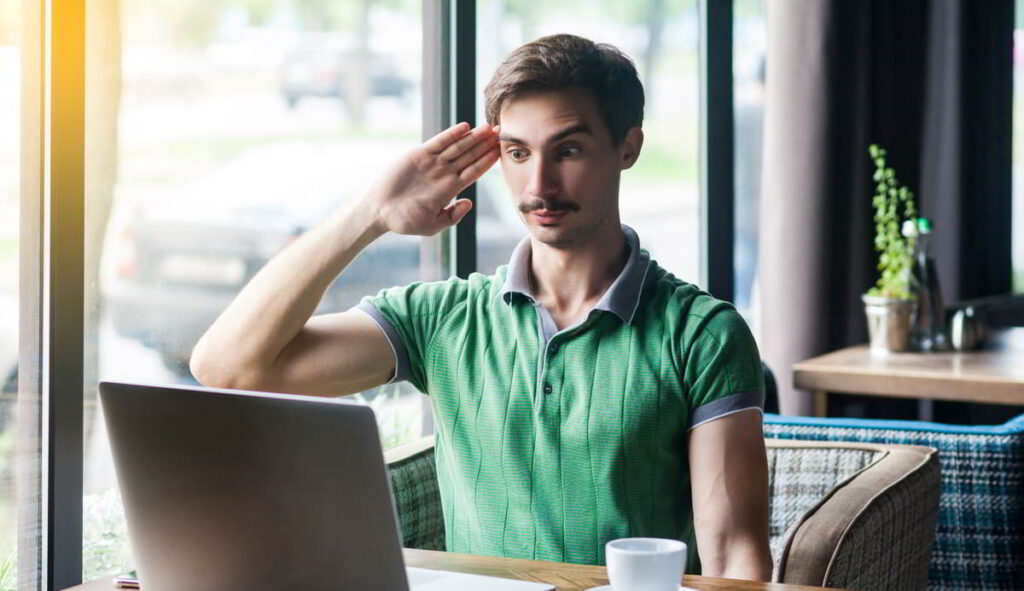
(413, 197)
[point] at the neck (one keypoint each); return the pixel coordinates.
(568, 279)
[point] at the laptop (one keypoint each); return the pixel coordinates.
(228, 490)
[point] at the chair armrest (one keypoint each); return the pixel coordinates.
(872, 531)
(408, 450)
(416, 494)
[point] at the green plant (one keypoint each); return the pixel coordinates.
(399, 417)
(9, 570)
(895, 251)
(105, 547)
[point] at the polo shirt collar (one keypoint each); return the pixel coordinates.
(621, 298)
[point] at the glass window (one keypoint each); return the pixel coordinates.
(659, 196)
(217, 132)
(749, 47)
(10, 180)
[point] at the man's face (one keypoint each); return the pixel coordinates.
(562, 167)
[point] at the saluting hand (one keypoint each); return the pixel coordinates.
(413, 197)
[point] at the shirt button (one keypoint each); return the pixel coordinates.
(547, 388)
(553, 348)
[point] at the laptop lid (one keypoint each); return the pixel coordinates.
(228, 490)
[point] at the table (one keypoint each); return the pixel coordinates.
(994, 374)
(566, 577)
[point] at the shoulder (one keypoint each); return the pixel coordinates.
(710, 343)
(426, 297)
(686, 304)
(697, 321)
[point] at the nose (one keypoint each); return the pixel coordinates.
(543, 179)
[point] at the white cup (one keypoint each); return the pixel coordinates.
(645, 564)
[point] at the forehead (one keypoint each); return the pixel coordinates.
(533, 117)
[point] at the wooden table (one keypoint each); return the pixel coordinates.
(994, 374)
(565, 577)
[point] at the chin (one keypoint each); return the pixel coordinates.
(555, 237)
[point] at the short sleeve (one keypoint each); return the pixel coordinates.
(724, 367)
(410, 317)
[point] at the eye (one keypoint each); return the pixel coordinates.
(517, 154)
(568, 151)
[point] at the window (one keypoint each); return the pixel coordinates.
(214, 132)
(217, 133)
(659, 195)
(10, 181)
(749, 68)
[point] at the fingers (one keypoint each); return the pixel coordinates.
(454, 213)
(481, 133)
(477, 169)
(475, 152)
(439, 142)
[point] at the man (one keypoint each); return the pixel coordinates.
(581, 393)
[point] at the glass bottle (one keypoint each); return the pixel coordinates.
(929, 332)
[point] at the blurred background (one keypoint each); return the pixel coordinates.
(219, 130)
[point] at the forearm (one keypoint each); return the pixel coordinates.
(275, 305)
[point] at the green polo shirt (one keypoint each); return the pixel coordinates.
(550, 442)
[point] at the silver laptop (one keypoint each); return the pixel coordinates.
(228, 490)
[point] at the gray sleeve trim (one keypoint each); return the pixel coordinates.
(733, 403)
(403, 369)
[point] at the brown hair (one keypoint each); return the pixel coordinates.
(564, 61)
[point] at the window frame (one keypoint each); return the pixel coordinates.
(63, 289)
(717, 166)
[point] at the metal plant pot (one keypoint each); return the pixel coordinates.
(889, 322)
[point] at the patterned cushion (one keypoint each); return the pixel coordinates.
(800, 478)
(852, 515)
(980, 537)
(417, 498)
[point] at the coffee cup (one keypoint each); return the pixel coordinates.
(645, 564)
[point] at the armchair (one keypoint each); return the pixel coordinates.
(852, 515)
(980, 537)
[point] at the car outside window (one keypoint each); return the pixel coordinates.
(217, 132)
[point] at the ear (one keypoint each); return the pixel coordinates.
(630, 148)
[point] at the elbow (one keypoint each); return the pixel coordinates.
(734, 552)
(713, 562)
(202, 368)
(752, 562)
(216, 371)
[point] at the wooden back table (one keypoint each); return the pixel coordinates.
(994, 374)
(565, 577)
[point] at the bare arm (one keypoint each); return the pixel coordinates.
(729, 480)
(267, 340)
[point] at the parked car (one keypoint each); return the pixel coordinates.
(178, 263)
(324, 67)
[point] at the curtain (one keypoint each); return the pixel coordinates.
(929, 81)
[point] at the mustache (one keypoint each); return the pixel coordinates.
(537, 204)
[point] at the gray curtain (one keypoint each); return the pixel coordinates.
(932, 83)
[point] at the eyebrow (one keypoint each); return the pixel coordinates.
(578, 128)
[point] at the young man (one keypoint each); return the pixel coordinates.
(581, 393)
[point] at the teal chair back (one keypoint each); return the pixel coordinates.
(980, 537)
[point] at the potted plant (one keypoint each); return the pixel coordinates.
(890, 305)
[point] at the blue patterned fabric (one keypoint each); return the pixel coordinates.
(980, 538)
